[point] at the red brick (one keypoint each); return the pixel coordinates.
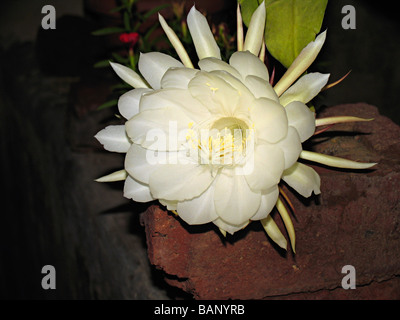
(355, 221)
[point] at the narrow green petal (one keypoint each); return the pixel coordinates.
(334, 161)
(128, 75)
(273, 232)
(239, 35)
(115, 176)
(262, 52)
(203, 39)
(300, 64)
(341, 119)
(255, 32)
(176, 43)
(288, 223)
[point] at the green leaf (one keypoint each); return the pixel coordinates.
(154, 10)
(119, 58)
(291, 25)
(106, 31)
(108, 104)
(127, 21)
(102, 64)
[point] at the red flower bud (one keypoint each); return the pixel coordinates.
(130, 38)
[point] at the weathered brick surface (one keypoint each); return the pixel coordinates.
(355, 221)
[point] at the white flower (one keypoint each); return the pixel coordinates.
(213, 143)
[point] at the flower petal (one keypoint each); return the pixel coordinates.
(261, 88)
(249, 65)
(171, 205)
(268, 201)
(128, 75)
(216, 94)
(255, 32)
(180, 181)
(301, 118)
(273, 232)
(234, 201)
(176, 43)
(244, 94)
(269, 118)
(137, 191)
(159, 129)
(178, 78)
(303, 179)
(306, 88)
(300, 64)
(269, 164)
(202, 36)
(128, 103)
(334, 161)
(229, 227)
(119, 175)
(199, 210)
(291, 147)
(114, 139)
(239, 31)
(287, 221)
(339, 119)
(138, 165)
(212, 64)
(153, 66)
(175, 98)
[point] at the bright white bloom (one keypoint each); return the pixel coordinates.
(213, 143)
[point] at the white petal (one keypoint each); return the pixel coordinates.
(178, 78)
(249, 65)
(171, 205)
(128, 75)
(229, 227)
(175, 98)
(244, 94)
(198, 210)
(214, 64)
(306, 88)
(303, 179)
(268, 201)
(159, 129)
(234, 201)
(153, 66)
(138, 165)
(202, 36)
(269, 118)
(128, 103)
(114, 139)
(214, 93)
(180, 182)
(137, 191)
(255, 32)
(291, 147)
(261, 88)
(119, 175)
(301, 118)
(269, 164)
(176, 43)
(300, 64)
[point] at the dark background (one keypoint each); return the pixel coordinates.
(53, 213)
